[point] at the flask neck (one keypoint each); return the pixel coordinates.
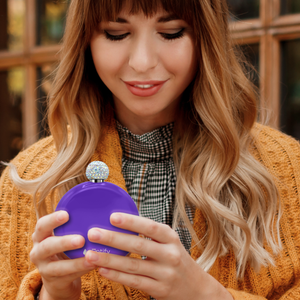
(97, 180)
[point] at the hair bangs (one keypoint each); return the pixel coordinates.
(108, 10)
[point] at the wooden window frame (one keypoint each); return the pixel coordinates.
(269, 30)
(29, 58)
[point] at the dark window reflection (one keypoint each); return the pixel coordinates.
(11, 98)
(12, 17)
(250, 62)
(243, 9)
(289, 7)
(251, 52)
(51, 19)
(290, 87)
(45, 76)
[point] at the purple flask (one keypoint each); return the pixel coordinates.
(90, 205)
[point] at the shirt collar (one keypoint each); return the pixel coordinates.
(148, 147)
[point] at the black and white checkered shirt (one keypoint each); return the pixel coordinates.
(149, 172)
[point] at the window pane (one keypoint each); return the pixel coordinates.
(251, 53)
(11, 98)
(290, 7)
(44, 82)
(290, 87)
(12, 17)
(242, 9)
(50, 21)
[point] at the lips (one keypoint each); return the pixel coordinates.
(151, 82)
(144, 88)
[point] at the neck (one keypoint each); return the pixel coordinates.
(143, 123)
(140, 127)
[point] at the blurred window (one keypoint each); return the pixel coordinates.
(251, 52)
(290, 88)
(243, 9)
(28, 48)
(12, 19)
(289, 7)
(51, 19)
(11, 100)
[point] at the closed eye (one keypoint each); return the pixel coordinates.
(115, 37)
(173, 36)
(166, 36)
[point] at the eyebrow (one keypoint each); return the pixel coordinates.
(163, 19)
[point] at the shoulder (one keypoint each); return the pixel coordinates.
(36, 159)
(29, 164)
(17, 212)
(273, 136)
(280, 154)
(275, 147)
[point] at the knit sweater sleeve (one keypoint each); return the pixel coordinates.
(281, 155)
(17, 223)
(291, 294)
(19, 278)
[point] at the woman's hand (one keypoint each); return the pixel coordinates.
(60, 275)
(168, 272)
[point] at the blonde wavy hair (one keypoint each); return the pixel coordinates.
(215, 170)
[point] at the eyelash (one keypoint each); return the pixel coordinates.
(166, 36)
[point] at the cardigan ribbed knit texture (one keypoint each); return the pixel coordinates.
(19, 279)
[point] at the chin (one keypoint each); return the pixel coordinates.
(146, 111)
(144, 114)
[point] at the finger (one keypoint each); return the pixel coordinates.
(45, 225)
(61, 268)
(125, 264)
(126, 242)
(60, 282)
(55, 245)
(145, 284)
(161, 233)
(73, 276)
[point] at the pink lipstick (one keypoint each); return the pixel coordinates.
(144, 88)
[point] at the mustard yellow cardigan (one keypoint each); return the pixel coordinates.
(19, 279)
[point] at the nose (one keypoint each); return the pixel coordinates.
(143, 54)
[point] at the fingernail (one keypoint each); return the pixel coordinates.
(92, 256)
(76, 241)
(116, 218)
(95, 234)
(61, 216)
(103, 271)
(88, 264)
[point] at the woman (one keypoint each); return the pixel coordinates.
(154, 89)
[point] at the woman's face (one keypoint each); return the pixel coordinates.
(146, 63)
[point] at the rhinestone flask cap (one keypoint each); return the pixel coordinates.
(97, 170)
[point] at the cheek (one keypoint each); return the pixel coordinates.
(108, 60)
(184, 56)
